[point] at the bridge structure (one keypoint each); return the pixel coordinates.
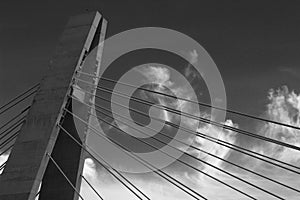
(47, 152)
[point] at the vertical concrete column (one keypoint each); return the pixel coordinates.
(27, 162)
(67, 153)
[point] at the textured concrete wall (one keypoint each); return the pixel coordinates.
(28, 161)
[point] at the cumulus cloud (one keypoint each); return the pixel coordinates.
(162, 77)
(158, 75)
(213, 148)
(193, 56)
(284, 106)
(89, 168)
(189, 70)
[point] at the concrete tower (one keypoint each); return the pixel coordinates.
(28, 168)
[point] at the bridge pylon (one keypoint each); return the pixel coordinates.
(29, 170)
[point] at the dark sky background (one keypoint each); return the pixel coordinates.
(255, 45)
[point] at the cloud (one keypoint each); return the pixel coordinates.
(193, 56)
(158, 75)
(190, 72)
(216, 149)
(284, 106)
(110, 188)
(90, 168)
(162, 75)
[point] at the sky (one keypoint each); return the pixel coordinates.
(255, 45)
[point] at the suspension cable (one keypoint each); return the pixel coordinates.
(141, 161)
(195, 102)
(3, 165)
(15, 100)
(107, 169)
(97, 193)
(244, 132)
(15, 117)
(37, 194)
(64, 175)
(3, 152)
(8, 148)
(20, 95)
(194, 133)
(196, 148)
(8, 140)
(220, 142)
(11, 128)
(196, 169)
(196, 158)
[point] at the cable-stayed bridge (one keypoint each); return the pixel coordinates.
(47, 150)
